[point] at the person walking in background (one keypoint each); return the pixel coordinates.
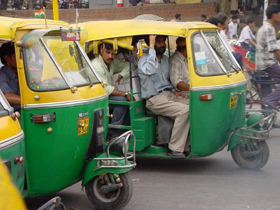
(177, 18)
(268, 52)
(203, 17)
(232, 27)
(247, 38)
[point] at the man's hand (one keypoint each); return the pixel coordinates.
(118, 79)
(178, 94)
(152, 41)
(129, 98)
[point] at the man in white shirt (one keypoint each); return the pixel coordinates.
(232, 27)
(247, 38)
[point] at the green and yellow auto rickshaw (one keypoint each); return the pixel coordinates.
(64, 117)
(218, 118)
(11, 142)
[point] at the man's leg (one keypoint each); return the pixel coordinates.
(274, 73)
(119, 113)
(162, 104)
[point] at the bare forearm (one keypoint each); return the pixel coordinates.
(182, 86)
(253, 42)
(117, 93)
(13, 98)
(277, 53)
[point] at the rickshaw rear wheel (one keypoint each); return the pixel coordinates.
(113, 200)
(254, 161)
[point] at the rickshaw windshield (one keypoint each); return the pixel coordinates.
(221, 50)
(53, 64)
(211, 56)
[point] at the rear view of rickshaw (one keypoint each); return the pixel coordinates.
(216, 97)
(64, 117)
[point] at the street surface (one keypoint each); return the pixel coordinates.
(211, 183)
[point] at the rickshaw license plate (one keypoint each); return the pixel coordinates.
(233, 101)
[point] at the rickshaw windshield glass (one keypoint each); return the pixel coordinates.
(41, 72)
(221, 51)
(204, 62)
(71, 61)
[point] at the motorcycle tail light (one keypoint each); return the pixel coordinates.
(43, 118)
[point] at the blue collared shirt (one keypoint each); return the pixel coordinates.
(9, 83)
(154, 74)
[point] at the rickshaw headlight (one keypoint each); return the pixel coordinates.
(257, 119)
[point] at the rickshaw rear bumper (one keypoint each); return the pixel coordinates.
(117, 163)
(256, 129)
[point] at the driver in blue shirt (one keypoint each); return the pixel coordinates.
(8, 75)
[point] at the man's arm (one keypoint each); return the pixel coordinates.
(252, 42)
(182, 86)
(176, 75)
(149, 64)
(12, 98)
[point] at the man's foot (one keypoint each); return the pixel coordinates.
(175, 154)
(275, 125)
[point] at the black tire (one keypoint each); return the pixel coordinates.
(120, 197)
(256, 162)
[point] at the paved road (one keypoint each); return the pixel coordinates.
(212, 183)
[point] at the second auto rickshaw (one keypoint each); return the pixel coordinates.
(216, 98)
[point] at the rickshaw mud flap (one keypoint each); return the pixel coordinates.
(92, 169)
(243, 135)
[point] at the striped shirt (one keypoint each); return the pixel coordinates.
(266, 47)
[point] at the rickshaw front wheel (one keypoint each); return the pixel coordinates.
(251, 155)
(114, 199)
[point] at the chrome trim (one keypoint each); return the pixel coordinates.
(54, 61)
(218, 87)
(116, 167)
(214, 53)
(64, 104)
(11, 141)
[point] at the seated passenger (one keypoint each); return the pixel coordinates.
(161, 97)
(179, 71)
(106, 64)
(247, 38)
(8, 75)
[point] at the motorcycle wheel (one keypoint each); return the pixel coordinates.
(256, 161)
(112, 200)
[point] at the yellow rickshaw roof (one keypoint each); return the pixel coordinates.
(9, 26)
(112, 29)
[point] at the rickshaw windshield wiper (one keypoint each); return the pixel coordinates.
(223, 58)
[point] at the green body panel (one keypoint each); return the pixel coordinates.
(212, 121)
(56, 160)
(90, 171)
(17, 169)
(143, 127)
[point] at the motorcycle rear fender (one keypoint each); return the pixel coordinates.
(92, 170)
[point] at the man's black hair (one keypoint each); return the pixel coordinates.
(106, 45)
(213, 20)
(6, 49)
(222, 17)
(250, 20)
(177, 16)
(272, 9)
(203, 16)
(234, 17)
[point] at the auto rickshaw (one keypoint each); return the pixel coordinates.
(216, 97)
(11, 142)
(64, 117)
